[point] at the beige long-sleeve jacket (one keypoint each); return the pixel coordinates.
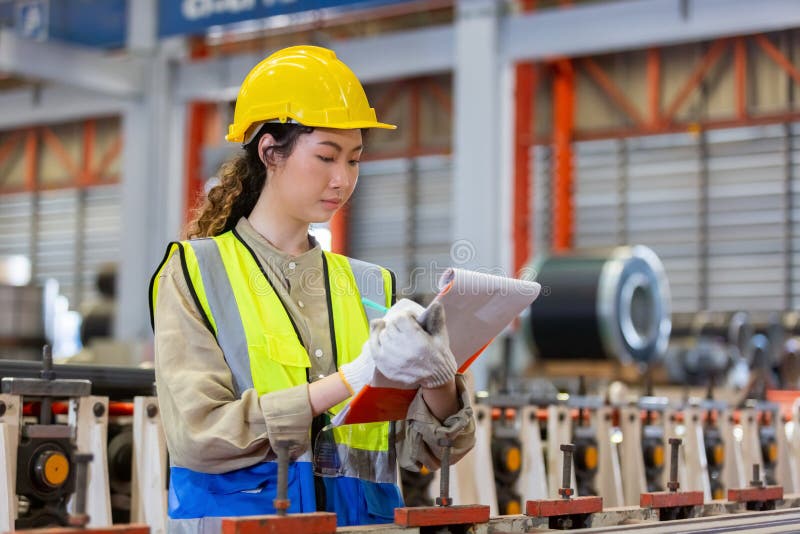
(209, 430)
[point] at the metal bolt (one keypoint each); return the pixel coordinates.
(566, 471)
(152, 410)
(99, 409)
(444, 478)
(673, 483)
(756, 482)
(46, 411)
(47, 363)
(79, 518)
(281, 501)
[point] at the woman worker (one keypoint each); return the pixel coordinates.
(261, 336)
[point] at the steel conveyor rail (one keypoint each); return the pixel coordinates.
(765, 522)
(115, 382)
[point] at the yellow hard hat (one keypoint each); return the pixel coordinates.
(304, 84)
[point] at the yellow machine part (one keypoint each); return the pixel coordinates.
(513, 507)
(56, 469)
(590, 457)
(657, 457)
(718, 454)
(513, 459)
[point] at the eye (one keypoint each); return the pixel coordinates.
(326, 159)
(354, 162)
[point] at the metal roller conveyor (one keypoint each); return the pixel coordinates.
(597, 306)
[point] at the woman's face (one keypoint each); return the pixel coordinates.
(318, 177)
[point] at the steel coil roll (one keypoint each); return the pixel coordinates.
(596, 306)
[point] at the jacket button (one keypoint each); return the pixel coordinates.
(318, 353)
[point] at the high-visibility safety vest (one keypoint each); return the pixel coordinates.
(263, 348)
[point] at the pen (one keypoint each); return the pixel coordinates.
(374, 305)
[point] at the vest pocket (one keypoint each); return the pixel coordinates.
(286, 350)
(279, 363)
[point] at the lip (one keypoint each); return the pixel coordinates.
(332, 203)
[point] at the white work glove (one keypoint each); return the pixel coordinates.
(407, 353)
(358, 373)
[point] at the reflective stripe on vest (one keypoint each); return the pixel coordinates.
(262, 346)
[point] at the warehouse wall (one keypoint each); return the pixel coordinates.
(717, 204)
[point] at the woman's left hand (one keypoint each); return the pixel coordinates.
(409, 354)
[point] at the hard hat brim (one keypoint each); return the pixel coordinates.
(239, 136)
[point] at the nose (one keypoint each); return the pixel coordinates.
(343, 176)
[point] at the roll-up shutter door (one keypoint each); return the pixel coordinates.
(400, 218)
(643, 191)
(16, 224)
(101, 239)
(433, 222)
(663, 208)
(56, 240)
(378, 215)
(597, 194)
(746, 218)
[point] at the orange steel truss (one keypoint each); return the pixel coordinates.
(525, 82)
(663, 118)
(563, 134)
(90, 169)
(197, 123)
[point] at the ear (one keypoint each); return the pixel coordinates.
(264, 150)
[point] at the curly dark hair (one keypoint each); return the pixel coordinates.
(241, 181)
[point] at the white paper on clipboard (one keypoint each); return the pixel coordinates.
(478, 306)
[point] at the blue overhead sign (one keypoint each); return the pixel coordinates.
(102, 23)
(86, 22)
(176, 17)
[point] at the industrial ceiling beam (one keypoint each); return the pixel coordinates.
(373, 59)
(638, 24)
(402, 55)
(52, 104)
(71, 65)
